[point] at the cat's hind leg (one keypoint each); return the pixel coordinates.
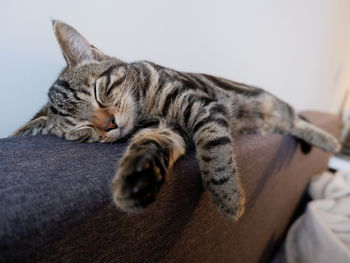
(314, 135)
(267, 114)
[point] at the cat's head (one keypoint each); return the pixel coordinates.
(92, 98)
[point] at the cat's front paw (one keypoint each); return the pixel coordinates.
(138, 181)
(229, 199)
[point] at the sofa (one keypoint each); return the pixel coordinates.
(56, 206)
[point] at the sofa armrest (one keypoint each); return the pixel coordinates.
(55, 203)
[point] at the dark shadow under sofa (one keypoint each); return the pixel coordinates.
(55, 203)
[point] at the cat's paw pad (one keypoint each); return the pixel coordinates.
(138, 182)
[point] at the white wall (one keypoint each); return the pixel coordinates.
(297, 49)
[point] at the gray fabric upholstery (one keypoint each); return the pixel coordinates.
(47, 186)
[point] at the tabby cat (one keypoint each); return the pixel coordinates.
(98, 98)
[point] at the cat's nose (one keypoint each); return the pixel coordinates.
(111, 124)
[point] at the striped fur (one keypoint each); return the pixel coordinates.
(102, 99)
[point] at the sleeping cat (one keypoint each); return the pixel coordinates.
(98, 98)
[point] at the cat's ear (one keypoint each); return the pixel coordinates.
(38, 125)
(76, 49)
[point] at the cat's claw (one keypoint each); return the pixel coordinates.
(137, 183)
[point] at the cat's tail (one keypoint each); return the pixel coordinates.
(315, 136)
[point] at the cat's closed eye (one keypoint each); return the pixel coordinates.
(96, 95)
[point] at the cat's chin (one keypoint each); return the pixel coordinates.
(126, 128)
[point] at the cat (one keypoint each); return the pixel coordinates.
(98, 98)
